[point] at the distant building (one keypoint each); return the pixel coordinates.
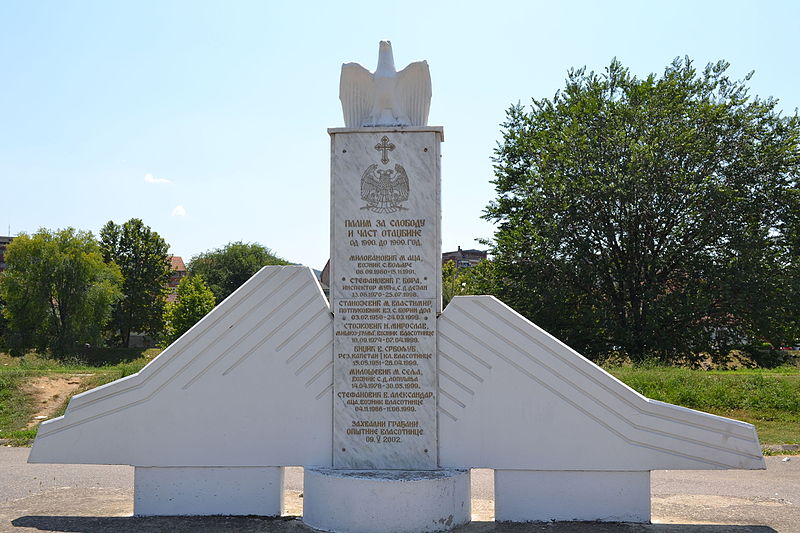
(178, 273)
(464, 258)
(4, 241)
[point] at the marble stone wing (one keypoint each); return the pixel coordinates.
(502, 379)
(356, 92)
(414, 92)
(267, 348)
(400, 185)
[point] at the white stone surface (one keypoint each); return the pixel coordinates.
(248, 385)
(385, 284)
(192, 491)
(542, 496)
(355, 501)
(511, 396)
(385, 97)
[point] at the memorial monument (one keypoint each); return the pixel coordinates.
(384, 399)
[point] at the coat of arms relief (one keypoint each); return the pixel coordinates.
(384, 190)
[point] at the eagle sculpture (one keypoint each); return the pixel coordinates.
(385, 97)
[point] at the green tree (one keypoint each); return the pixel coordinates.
(142, 256)
(650, 216)
(194, 301)
(477, 279)
(4, 331)
(58, 291)
(226, 269)
(451, 282)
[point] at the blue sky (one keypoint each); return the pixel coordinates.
(208, 119)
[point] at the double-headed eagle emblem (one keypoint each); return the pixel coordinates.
(384, 190)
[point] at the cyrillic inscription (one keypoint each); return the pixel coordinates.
(384, 272)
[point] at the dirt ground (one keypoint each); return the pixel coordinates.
(49, 393)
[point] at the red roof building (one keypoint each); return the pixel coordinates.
(178, 273)
(464, 258)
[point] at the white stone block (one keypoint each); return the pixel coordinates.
(377, 501)
(542, 496)
(208, 491)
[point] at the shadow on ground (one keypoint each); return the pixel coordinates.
(104, 524)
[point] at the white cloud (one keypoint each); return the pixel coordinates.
(179, 211)
(149, 178)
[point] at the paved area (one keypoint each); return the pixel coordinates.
(99, 499)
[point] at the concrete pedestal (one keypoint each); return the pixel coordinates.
(542, 496)
(190, 491)
(376, 501)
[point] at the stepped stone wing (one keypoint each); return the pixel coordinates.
(249, 385)
(512, 396)
(414, 92)
(357, 94)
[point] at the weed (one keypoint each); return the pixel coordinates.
(767, 398)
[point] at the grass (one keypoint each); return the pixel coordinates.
(15, 409)
(100, 367)
(766, 398)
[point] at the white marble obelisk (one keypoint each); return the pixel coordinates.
(385, 268)
(385, 280)
(385, 287)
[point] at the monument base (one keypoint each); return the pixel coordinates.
(199, 491)
(542, 496)
(367, 501)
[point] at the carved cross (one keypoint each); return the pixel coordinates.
(384, 146)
